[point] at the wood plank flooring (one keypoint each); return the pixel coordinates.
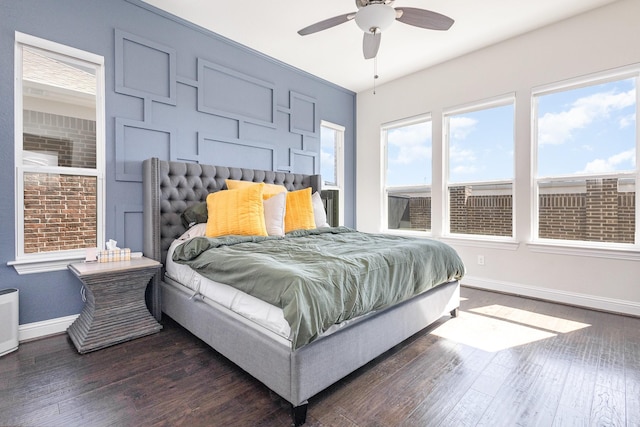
(505, 361)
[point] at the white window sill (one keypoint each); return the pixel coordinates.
(621, 252)
(409, 233)
(463, 240)
(479, 241)
(44, 265)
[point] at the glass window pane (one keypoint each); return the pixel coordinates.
(409, 209)
(59, 111)
(409, 155)
(581, 132)
(328, 140)
(592, 210)
(331, 202)
(60, 212)
(481, 145)
(409, 177)
(481, 168)
(590, 130)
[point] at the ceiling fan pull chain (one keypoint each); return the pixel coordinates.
(375, 73)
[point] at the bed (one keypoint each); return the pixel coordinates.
(294, 372)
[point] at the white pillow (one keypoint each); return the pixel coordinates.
(319, 214)
(197, 230)
(274, 211)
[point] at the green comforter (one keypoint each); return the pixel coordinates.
(324, 276)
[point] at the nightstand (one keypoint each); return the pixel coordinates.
(115, 309)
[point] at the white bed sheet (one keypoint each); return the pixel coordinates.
(248, 306)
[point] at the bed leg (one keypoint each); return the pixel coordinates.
(299, 413)
(454, 312)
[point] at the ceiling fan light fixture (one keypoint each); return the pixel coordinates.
(375, 16)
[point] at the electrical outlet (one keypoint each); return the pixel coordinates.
(480, 259)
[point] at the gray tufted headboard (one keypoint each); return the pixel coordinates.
(170, 187)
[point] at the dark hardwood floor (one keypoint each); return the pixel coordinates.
(505, 361)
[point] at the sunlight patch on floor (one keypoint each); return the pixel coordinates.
(497, 327)
(487, 333)
(530, 318)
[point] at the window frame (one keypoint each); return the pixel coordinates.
(583, 247)
(493, 102)
(384, 130)
(339, 156)
(55, 260)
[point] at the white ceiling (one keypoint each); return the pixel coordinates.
(335, 54)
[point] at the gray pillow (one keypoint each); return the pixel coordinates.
(194, 214)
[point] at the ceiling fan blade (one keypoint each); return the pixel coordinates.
(327, 23)
(424, 18)
(371, 44)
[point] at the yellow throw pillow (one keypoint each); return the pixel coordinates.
(299, 214)
(238, 212)
(269, 190)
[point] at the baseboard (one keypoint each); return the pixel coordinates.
(581, 300)
(35, 330)
(31, 331)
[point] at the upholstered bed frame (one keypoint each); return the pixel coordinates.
(169, 187)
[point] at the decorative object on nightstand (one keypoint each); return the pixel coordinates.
(115, 309)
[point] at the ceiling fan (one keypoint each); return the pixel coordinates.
(374, 16)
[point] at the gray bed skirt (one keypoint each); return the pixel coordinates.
(298, 375)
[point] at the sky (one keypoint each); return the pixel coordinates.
(409, 155)
(590, 130)
(328, 155)
(481, 145)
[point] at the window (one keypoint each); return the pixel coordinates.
(480, 143)
(332, 171)
(586, 144)
(408, 174)
(59, 118)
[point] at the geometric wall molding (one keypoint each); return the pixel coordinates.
(128, 220)
(303, 114)
(137, 141)
(145, 69)
(229, 93)
(302, 161)
(152, 80)
(215, 150)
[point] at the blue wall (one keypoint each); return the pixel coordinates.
(174, 91)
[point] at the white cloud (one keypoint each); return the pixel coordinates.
(614, 163)
(411, 143)
(627, 120)
(461, 127)
(461, 155)
(327, 158)
(412, 153)
(557, 128)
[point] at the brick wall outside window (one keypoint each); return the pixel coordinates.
(600, 213)
(420, 213)
(60, 212)
(486, 214)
